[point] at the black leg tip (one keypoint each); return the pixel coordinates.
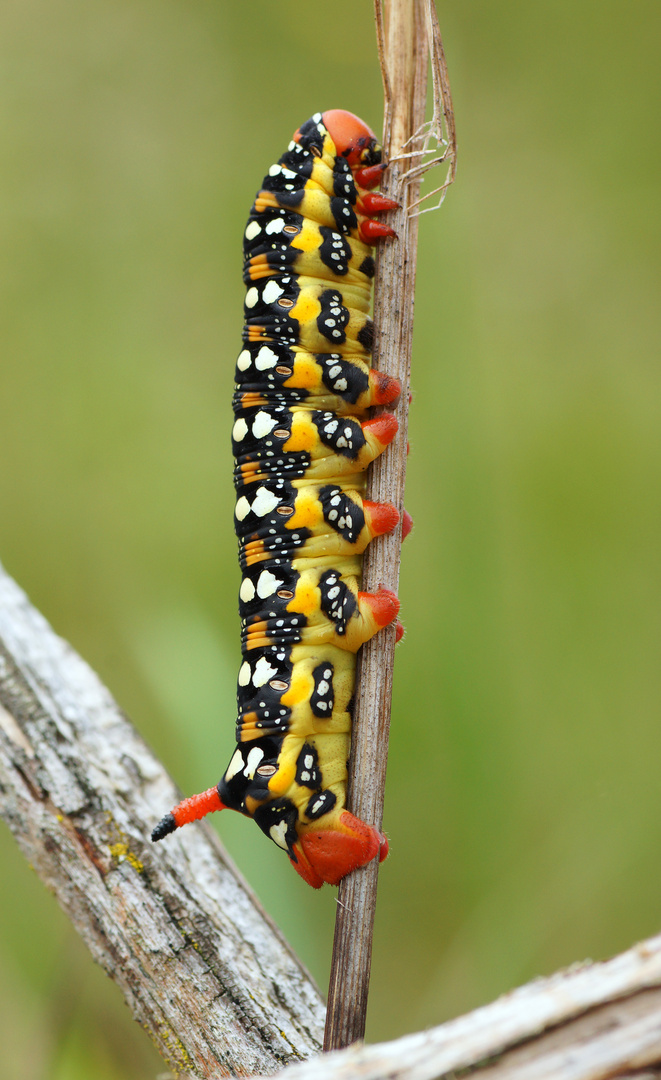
(164, 827)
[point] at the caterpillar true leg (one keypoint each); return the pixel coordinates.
(302, 442)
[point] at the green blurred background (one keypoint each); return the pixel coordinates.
(523, 795)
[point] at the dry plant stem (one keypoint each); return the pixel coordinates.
(201, 966)
(406, 66)
(590, 1022)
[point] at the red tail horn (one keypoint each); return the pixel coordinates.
(191, 809)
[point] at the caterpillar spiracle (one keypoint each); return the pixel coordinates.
(302, 443)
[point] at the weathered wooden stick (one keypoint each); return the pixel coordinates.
(404, 49)
(590, 1022)
(200, 964)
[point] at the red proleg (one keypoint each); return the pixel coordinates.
(381, 517)
(384, 605)
(385, 388)
(369, 176)
(384, 427)
(373, 202)
(371, 231)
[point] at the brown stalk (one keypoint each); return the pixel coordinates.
(405, 29)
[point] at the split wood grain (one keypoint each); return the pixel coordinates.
(591, 1022)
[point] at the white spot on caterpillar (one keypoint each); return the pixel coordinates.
(263, 672)
(323, 687)
(263, 424)
(252, 296)
(242, 508)
(274, 226)
(274, 170)
(244, 674)
(267, 584)
(253, 229)
(264, 502)
(308, 761)
(332, 593)
(278, 833)
(254, 758)
(244, 360)
(235, 765)
(266, 358)
(271, 291)
(341, 384)
(247, 590)
(240, 430)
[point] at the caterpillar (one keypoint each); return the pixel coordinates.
(302, 442)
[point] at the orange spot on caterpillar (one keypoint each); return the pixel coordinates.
(257, 333)
(252, 398)
(265, 200)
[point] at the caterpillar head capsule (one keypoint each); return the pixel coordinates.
(352, 137)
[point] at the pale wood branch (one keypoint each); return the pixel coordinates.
(590, 1022)
(200, 964)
